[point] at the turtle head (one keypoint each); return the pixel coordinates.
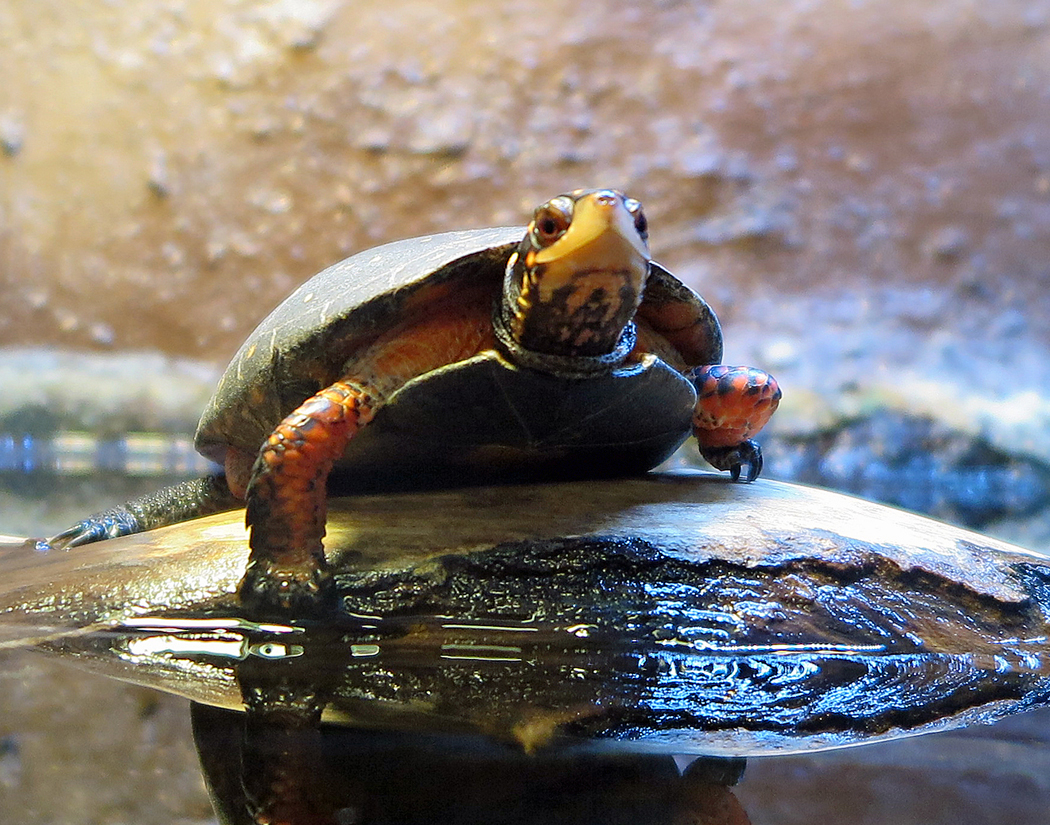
(577, 277)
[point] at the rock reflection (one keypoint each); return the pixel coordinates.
(554, 628)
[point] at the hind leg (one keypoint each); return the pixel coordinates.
(733, 404)
(189, 499)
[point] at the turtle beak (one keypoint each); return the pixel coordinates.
(602, 237)
(575, 293)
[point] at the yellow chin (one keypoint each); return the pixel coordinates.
(600, 234)
(600, 252)
(577, 295)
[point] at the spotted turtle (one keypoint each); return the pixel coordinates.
(560, 350)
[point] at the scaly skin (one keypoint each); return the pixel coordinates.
(287, 506)
(287, 573)
(733, 403)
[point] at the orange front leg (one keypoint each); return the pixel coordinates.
(287, 505)
(286, 493)
(733, 403)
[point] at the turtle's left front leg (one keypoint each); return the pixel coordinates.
(287, 572)
(733, 403)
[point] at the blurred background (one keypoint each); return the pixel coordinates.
(860, 188)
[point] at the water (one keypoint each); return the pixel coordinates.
(132, 756)
(76, 747)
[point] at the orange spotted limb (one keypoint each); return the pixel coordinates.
(287, 494)
(733, 403)
(287, 486)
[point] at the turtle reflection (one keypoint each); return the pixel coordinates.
(334, 774)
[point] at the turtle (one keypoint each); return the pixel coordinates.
(557, 350)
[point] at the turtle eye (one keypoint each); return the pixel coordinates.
(551, 221)
(641, 224)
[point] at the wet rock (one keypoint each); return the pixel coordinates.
(917, 463)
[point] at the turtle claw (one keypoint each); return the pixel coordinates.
(733, 459)
(303, 592)
(108, 525)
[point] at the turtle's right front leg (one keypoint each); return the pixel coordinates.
(169, 505)
(286, 494)
(287, 572)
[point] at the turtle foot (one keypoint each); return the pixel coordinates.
(168, 505)
(108, 525)
(735, 458)
(268, 589)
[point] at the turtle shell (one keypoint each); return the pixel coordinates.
(483, 417)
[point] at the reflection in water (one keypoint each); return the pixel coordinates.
(278, 764)
(611, 640)
(350, 776)
(733, 698)
(662, 626)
